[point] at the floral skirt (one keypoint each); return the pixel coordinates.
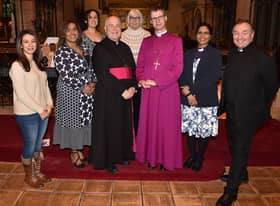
(199, 121)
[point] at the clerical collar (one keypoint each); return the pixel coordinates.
(159, 34)
(240, 49)
(200, 49)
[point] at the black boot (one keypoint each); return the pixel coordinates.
(228, 197)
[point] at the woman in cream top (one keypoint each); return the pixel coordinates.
(32, 105)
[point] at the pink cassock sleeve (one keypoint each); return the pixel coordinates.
(175, 66)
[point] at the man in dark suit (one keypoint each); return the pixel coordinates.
(250, 83)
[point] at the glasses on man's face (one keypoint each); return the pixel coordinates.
(159, 18)
(134, 18)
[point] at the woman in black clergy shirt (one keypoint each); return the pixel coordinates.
(198, 82)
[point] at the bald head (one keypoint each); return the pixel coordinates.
(113, 28)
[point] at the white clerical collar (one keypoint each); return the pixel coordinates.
(159, 34)
(240, 49)
(200, 49)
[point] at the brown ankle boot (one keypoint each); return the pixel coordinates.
(30, 177)
(38, 157)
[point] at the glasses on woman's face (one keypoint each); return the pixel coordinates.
(158, 18)
(134, 18)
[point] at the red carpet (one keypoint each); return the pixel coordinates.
(265, 152)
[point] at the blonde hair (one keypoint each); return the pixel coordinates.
(137, 12)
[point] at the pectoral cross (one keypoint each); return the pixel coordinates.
(156, 63)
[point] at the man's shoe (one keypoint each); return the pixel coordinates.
(113, 169)
(226, 199)
(189, 162)
(125, 162)
(244, 179)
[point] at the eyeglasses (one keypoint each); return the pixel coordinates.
(154, 19)
(134, 18)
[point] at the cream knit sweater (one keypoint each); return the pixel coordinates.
(31, 91)
(134, 38)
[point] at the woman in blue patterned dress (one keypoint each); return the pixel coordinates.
(74, 102)
(198, 82)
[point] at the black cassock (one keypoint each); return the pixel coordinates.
(250, 82)
(112, 118)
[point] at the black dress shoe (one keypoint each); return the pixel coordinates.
(189, 162)
(113, 169)
(226, 199)
(162, 168)
(244, 179)
(151, 167)
(125, 162)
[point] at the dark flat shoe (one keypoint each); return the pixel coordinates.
(151, 167)
(189, 162)
(113, 169)
(162, 168)
(197, 165)
(125, 162)
(226, 199)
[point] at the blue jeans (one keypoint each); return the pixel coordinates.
(32, 130)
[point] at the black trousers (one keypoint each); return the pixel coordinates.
(240, 138)
(136, 109)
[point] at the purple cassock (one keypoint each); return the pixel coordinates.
(159, 139)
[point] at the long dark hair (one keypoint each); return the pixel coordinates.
(62, 36)
(87, 13)
(21, 58)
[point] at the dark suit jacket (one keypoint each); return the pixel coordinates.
(250, 83)
(207, 74)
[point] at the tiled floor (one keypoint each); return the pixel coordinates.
(262, 190)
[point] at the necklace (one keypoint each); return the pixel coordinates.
(156, 55)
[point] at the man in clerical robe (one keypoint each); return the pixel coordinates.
(159, 65)
(249, 84)
(112, 120)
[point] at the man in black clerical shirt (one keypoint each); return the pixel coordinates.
(250, 83)
(114, 65)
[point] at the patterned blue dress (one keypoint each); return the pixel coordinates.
(201, 122)
(73, 111)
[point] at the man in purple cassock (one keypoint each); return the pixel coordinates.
(160, 63)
